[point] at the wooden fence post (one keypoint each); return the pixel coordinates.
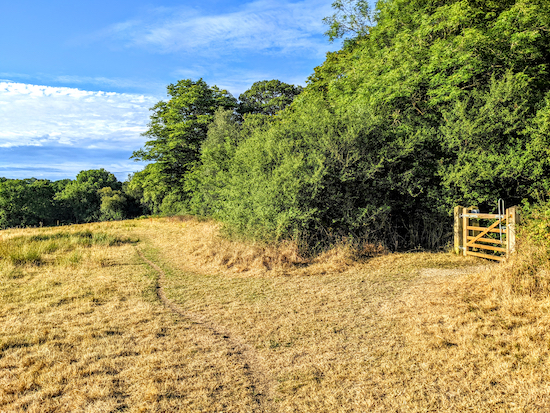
(473, 222)
(465, 231)
(512, 219)
(458, 229)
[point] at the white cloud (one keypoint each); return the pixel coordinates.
(261, 25)
(32, 115)
(72, 80)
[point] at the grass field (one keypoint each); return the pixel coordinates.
(165, 315)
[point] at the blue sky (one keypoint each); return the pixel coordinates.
(77, 77)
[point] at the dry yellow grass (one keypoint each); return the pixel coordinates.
(206, 251)
(254, 328)
(92, 337)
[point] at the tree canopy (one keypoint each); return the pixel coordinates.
(83, 197)
(434, 104)
(94, 195)
(25, 202)
(352, 17)
(427, 104)
(176, 131)
(267, 97)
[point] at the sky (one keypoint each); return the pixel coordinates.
(77, 78)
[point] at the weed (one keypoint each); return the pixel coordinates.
(74, 258)
(274, 344)
(50, 247)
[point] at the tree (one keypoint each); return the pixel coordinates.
(133, 195)
(217, 151)
(27, 202)
(149, 187)
(176, 131)
(113, 204)
(267, 97)
(352, 16)
(82, 195)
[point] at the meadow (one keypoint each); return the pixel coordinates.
(167, 315)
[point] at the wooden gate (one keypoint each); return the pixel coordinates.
(490, 236)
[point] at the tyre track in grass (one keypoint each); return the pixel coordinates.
(261, 384)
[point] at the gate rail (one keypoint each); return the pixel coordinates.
(471, 238)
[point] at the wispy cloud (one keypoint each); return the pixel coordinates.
(106, 82)
(32, 115)
(260, 26)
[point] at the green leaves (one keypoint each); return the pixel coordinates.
(83, 196)
(113, 204)
(428, 104)
(209, 180)
(95, 194)
(267, 97)
(176, 131)
(441, 103)
(352, 16)
(28, 202)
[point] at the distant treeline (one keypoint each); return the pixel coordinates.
(95, 195)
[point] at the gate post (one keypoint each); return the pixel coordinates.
(474, 222)
(512, 219)
(465, 231)
(458, 229)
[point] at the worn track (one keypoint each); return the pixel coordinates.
(261, 385)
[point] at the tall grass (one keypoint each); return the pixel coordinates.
(528, 272)
(21, 251)
(32, 249)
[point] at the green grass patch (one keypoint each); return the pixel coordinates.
(30, 250)
(71, 259)
(18, 252)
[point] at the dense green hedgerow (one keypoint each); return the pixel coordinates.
(441, 103)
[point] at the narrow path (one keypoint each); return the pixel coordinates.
(261, 384)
